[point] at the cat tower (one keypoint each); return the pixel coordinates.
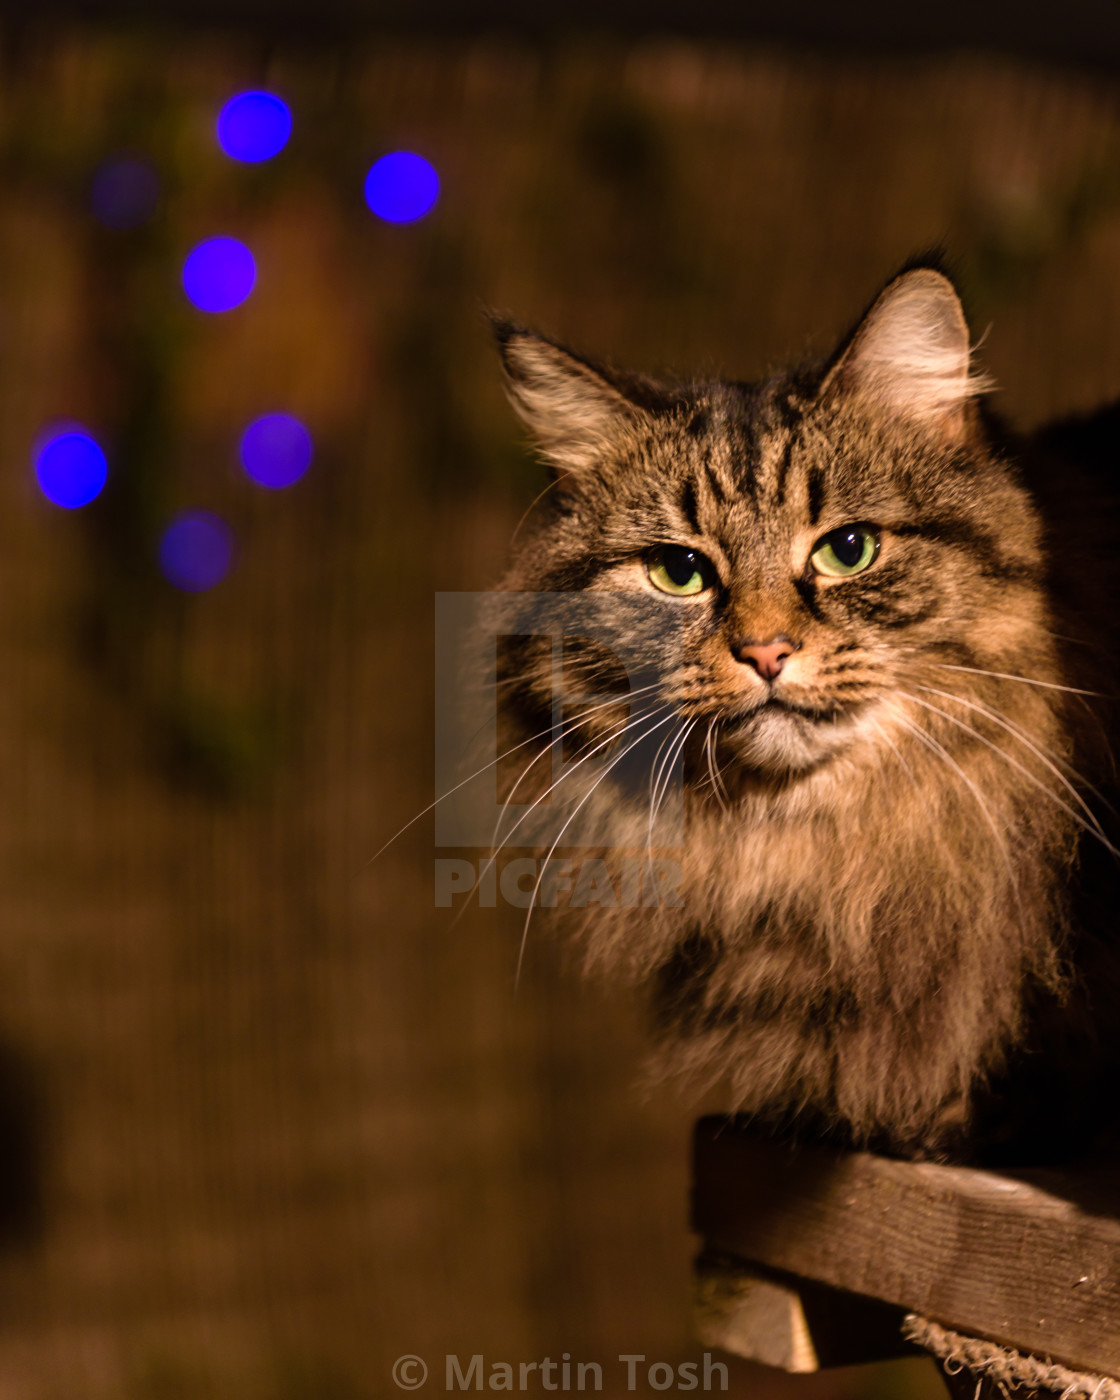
(813, 1259)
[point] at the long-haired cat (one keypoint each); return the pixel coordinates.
(878, 636)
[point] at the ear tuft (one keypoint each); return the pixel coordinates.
(910, 354)
(568, 404)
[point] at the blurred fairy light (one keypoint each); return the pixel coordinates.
(219, 274)
(70, 467)
(276, 450)
(254, 126)
(401, 187)
(196, 551)
(124, 192)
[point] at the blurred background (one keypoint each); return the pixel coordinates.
(267, 1120)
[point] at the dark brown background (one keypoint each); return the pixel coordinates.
(268, 1120)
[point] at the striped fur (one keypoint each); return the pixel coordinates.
(885, 933)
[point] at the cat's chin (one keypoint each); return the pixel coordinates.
(779, 742)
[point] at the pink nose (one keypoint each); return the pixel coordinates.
(767, 658)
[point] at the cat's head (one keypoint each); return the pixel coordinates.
(817, 544)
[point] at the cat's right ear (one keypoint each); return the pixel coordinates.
(571, 407)
(910, 358)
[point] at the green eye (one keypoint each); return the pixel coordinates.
(846, 551)
(678, 571)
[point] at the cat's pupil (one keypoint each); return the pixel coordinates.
(848, 545)
(680, 564)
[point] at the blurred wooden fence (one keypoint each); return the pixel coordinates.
(271, 1121)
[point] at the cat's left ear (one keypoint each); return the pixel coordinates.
(574, 409)
(910, 356)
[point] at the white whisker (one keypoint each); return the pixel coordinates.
(675, 751)
(1000, 836)
(1093, 830)
(716, 782)
(629, 724)
(1026, 680)
(667, 745)
(559, 733)
(886, 738)
(1019, 733)
(525, 516)
(579, 807)
(533, 738)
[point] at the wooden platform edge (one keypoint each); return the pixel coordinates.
(1027, 1260)
(794, 1325)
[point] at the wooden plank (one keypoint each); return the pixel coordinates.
(750, 1314)
(792, 1324)
(1027, 1259)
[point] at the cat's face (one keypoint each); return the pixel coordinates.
(813, 545)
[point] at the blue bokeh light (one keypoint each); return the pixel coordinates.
(276, 450)
(254, 126)
(70, 467)
(219, 274)
(196, 551)
(401, 187)
(124, 192)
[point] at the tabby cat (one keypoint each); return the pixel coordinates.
(879, 634)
